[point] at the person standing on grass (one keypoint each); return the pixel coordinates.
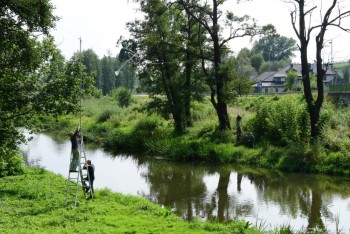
(74, 164)
(91, 175)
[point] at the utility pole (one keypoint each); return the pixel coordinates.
(81, 80)
(331, 42)
(349, 70)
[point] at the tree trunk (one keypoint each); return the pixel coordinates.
(222, 193)
(221, 105)
(238, 128)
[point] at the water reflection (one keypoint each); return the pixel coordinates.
(212, 192)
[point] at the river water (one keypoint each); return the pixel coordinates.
(265, 198)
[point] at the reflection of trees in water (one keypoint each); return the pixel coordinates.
(224, 207)
(177, 186)
(299, 194)
(182, 186)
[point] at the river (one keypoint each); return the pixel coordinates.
(265, 198)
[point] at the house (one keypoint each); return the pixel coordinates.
(274, 81)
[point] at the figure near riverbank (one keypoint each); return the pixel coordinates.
(74, 164)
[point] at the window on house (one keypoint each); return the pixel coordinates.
(266, 90)
(276, 90)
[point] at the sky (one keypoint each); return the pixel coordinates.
(99, 24)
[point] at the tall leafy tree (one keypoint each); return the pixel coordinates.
(93, 67)
(275, 47)
(291, 79)
(331, 15)
(256, 60)
(208, 14)
(244, 66)
(28, 56)
(166, 63)
(108, 79)
(273, 65)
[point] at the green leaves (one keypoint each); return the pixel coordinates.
(33, 81)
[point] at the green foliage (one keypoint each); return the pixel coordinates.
(275, 47)
(97, 93)
(122, 96)
(281, 121)
(11, 162)
(280, 125)
(236, 82)
(104, 116)
(146, 130)
(93, 66)
(108, 66)
(256, 60)
(298, 158)
(224, 136)
(334, 163)
(273, 65)
(98, 133)
(246, 66)
(33, 80)
(291, 79)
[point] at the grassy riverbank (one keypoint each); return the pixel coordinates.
(34, 203)
(280, 130)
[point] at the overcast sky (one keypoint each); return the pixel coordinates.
(101, 23)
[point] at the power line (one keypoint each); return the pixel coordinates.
(67, 31)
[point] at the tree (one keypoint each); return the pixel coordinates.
(167, 39)
(108, 80)
(256, 60)
(208, 15)
(275, 47)
(244, 66)
(237, 83)
(332, 16)
(28, 56)
(273, 65)
(93, 67)
(291, 79)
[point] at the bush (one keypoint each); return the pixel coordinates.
(97, 93)
(104, 116)
(281, 121)
(123, 96)
(145, 130)
(11, 162)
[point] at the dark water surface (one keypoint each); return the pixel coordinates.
(265, 198)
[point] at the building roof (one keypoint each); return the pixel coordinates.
(266, 76)
(283, 72)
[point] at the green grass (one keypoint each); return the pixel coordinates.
(35, 203)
